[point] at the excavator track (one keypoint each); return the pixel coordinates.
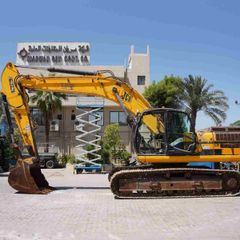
(174, 182)
(135, 167)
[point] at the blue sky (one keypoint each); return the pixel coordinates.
(185, 37)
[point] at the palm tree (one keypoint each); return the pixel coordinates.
(235, 124)
(199, 96)
(48, 103)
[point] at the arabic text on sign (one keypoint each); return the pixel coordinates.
(53, 48)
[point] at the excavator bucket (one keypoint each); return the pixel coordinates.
(26, 177)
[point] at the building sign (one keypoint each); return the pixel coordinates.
(53, 54)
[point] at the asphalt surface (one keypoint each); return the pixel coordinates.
(83, 207)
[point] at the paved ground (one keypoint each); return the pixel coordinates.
(84, 208)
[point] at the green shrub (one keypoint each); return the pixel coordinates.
(90, 156)
(67, 158)
(105, 152)
(105, 155)
(122, 154)
(112, 147)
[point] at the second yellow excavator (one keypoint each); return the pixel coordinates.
(163, 143)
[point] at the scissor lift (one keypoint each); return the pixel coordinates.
(87, 124)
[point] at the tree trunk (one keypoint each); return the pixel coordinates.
(47, 130)
(193, 118)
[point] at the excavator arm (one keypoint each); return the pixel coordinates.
(14, 86)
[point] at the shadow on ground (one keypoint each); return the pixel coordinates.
(88, 188)
(4, 175)
(68, 188)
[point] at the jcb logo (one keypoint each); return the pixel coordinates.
(126, 97)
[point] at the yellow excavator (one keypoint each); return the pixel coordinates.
(220, 140)
(163, 143)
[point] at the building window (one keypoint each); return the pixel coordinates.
(95, 115)
(118, 117)
(37, 116)
(141, 80)
(113, 117)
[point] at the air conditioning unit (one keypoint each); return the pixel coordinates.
(78, 126)
(54, 125)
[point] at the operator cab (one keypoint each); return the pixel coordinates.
(164, 131)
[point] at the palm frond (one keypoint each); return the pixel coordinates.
(202, 97)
